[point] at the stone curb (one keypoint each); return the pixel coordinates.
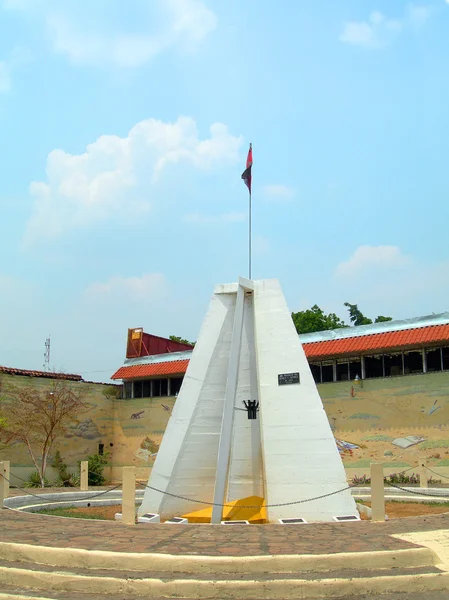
(119, 561)
(217, 590)
(22, 597)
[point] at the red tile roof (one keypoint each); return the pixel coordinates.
(48, 375)
(317, 350)
(378, 341)
(175, 367)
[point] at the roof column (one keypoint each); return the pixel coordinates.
(424, 360)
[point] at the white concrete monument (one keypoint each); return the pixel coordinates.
(249, 421)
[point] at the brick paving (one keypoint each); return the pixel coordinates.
(215, 540)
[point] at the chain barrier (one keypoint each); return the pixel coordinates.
(246, 506)
(19, 478)
(435, 473)
(45, 501)
(409, 491)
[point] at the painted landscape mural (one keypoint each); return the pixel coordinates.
(392, 420)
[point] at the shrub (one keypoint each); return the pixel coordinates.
(96, 465)
(34, 481)
(65, 479)
(395, 478)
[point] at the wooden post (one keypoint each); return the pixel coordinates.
(84, 476)
(423, 482)
(129, 495)
(4, 481)
(377, 492)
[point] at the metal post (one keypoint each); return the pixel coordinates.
(250, 219)
(129, 495)
(84, 476)
(423, 482)
(224, 448)
(377, 492)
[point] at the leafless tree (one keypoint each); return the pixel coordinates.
(37, 417)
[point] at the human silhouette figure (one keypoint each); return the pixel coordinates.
(252, 407)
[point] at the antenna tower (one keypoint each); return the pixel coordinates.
(47, 354)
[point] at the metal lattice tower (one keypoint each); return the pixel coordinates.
(47, 354)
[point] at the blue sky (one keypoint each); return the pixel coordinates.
(124, 129)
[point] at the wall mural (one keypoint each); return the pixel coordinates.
(392, 420)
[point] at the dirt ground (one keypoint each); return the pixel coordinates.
(398, 510)
(394, 510)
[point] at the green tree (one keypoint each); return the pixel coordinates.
(176, 338)
(382, 319)
(314, 319)
(356, 316)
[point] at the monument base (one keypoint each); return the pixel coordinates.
(234, 511)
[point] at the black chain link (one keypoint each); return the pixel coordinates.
(246, 506)
(17, 477)
(45, 500)
(435, 473)
(398, 487)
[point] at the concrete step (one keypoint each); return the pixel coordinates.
(14, 593)
(166, 564)
(47, 582)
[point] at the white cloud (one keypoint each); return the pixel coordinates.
(365, 258)
(390, 283)
(116, 176)
(5, 77)
(379, 30)
(131, 289)
(78, 31)
(419, 14)
(278, 192)
(202, 219)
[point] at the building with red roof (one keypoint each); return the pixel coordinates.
(155, 366)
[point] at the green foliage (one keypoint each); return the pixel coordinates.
(34, 481)
(176, 338)
(314, 319)
(112, 391)
(355, 315)
(358, 318)
(65, 479)
(395, 478)
(96, 465)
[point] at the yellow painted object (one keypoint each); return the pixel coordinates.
(234, 511)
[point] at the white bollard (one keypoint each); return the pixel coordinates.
(4, 481)
(377, 492)
(84, 476)
(423, 481)
(129, 495)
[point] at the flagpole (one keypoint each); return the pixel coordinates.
(249, 234)
(247, 178)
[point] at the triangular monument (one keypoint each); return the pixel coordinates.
(248, 421)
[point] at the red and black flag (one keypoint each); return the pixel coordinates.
(246, 175)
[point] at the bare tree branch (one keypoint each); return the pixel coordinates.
(37, 417)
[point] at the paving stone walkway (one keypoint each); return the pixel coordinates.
(252, 540)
